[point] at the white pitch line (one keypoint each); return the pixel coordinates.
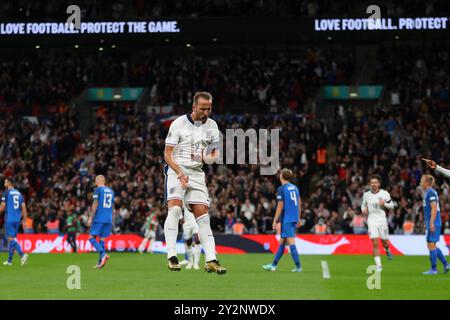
(325, 270)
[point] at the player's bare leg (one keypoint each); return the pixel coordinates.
(386, 248)
(207, 238)
(171, 233)
(376, 253)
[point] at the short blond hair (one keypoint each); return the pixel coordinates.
(100, 177)
(429, 179)
(287, 174)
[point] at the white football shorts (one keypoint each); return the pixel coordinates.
(195, 193)
(378, 230)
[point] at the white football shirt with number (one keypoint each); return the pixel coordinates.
(377, 214)
(191, 139)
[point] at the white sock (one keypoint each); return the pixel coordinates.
(171, 230)
(377, 260)
(206, 237)
(190, 258)
(197, 253)
(143, 245)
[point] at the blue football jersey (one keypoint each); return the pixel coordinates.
(13, 200)
(105, 198)
(431, 196)
(289, 195)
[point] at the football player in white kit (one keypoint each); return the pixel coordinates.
(191, 240)
(192, 139)
(374, 203)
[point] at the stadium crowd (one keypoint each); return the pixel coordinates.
(331, 160)
(243, 79)
(55, 170)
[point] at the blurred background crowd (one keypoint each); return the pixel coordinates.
(269, 87)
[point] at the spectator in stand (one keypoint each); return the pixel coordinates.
(408, 225)
(321, 228)
(229, 223)
(239, 228)
(358, 224)
(52, 224)
(54, 168)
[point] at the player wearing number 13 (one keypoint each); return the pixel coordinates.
(101, 218)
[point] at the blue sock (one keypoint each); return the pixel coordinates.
(102, 243)
(17, 247)
(278, 255)
(10, 250)
(441, 257)
(97, 246)
(294, 255)
(433, 258)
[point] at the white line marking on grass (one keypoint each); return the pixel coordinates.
(325, 270)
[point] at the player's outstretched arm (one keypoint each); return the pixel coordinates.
(430, 163)
(443, 171)
(433, 165)
(2, 207)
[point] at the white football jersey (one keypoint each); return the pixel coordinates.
(377, 214)
(191, 140)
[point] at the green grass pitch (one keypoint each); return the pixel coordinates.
(135, 276)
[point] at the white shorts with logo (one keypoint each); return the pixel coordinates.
(378, 230)
(195, 193)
